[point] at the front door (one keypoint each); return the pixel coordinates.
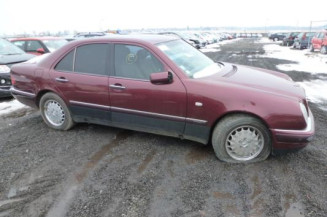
(138, 104)
(82, 79)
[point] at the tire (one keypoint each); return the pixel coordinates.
(59, 117)
(323, 49)
(232, 128)
(311, 48)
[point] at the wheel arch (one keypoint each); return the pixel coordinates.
(231, 113)
(39, 96)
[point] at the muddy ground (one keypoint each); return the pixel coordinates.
(95, 170)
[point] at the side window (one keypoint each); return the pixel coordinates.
(20, 44)
(135, 62)
(33, 46)
(91, 59)
(66, 63)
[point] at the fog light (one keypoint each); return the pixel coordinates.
(2, 81)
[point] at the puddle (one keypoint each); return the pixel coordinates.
(197, 154)
(221, 195)
(94, 160)
(295, 210)
(146, 161)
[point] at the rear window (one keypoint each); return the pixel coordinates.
(66, 63)
(91, 59)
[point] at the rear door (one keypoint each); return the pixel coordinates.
(138, 104)
(81, 77)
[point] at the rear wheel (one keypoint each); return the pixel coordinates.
(311, 48)
(323, 49)
(241, 139)
(55, 113)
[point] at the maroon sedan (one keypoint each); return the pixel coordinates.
(163, 85)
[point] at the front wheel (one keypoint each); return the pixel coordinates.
(55, 113)
(241, 139)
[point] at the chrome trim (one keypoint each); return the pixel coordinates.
(117, 87)
(196, 121)
(63, 80)
(125, 78)
(14, 90)
(148, 113)
(89, 104)
(74, 56)
(132, 111)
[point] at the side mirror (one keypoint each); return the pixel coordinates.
(40, 50)
(161, 78)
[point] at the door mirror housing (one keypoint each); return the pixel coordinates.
(161, 78)
(40, 50)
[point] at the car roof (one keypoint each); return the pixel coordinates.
(142, 38)
(36, 38)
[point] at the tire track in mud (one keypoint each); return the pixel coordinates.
(61, 207)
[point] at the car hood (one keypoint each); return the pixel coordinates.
(16, 58)
(259, 79)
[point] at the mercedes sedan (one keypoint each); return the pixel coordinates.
(163, 85)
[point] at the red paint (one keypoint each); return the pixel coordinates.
(268, 95)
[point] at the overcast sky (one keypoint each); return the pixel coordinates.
(19, 16)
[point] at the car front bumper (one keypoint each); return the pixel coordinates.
(5, 88)
(288, 140)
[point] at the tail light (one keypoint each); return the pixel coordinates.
(13, 81)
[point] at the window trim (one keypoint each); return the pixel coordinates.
(108, 57)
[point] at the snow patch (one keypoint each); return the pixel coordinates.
(315, 90)
(305, 60)
(10, 106)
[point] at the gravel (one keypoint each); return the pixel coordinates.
(95, 170)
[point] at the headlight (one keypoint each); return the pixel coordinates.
(304, 112)
(4, 69)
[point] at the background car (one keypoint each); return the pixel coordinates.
(279, 36)
(81, 35)
(303, 40)
(319, 42)
(9, 55)
(39, 45)
(289, 38)
(186, 37)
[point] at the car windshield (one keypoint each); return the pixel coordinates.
(194, 63)
(53, 45)
(7, 48)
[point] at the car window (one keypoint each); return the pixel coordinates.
(135, 62)
(66, 63)
(33, 46)
(321, 35)
(20, 44)
(91, 59)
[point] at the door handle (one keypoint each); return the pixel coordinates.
(117, 86)
(62, 79)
